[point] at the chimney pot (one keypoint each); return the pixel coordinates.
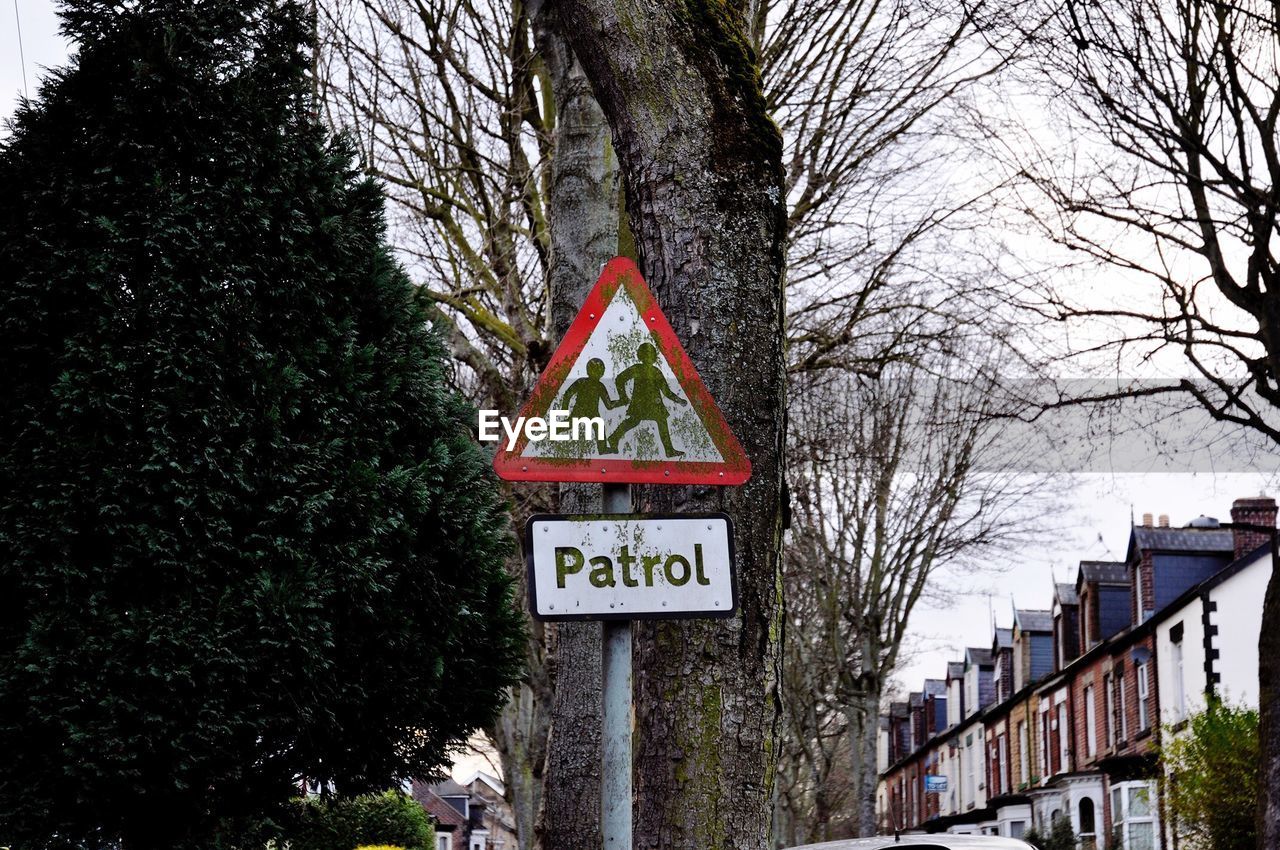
(1146, 520)
(1164, 520)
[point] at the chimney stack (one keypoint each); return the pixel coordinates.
(1256, 511)
(1146, 520)
(1164, 520)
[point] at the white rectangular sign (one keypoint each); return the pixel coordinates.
(630, 567)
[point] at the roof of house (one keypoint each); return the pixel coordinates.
(915, 699)
(488, 779)
(1066, 594)
(1003, 638)
(898, 709)
(449, 788)
(1033, 620)
(979, 655)
(935, 687)
(1103, 572)
(1184, 539)
(445, 815)
(955, 669)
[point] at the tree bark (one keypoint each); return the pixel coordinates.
(864, 731)
(583, 225)
(704, 195)
(1269, 709)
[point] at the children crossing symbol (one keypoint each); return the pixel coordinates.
(620, 361)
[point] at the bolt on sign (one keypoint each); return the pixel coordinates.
(630, 566)
(621, 362)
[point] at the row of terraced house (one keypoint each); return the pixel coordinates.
(1060, 716)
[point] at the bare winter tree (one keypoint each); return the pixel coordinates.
(448, 105)
(1174, 189)
(896, 481)
(458, 109)
(443, 100)
(883, 202)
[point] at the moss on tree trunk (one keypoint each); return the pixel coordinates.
(702, 167)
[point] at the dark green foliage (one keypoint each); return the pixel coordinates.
(1211, 769)
(388, 818)
(245, 535)
(1060, 836)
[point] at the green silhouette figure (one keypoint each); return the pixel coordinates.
(645, 403)
(585, 396)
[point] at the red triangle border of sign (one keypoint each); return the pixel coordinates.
(735, 468)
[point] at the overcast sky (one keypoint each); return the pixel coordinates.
(40, 44)
(1095, 524)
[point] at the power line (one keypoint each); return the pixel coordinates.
(22, 56)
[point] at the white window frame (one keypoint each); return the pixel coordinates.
(1109, 694)
(1121, 818)
(1090, 722)
(1142, 618)
(1024, 756)
(1046, 740)
(1180, 683)
(1064, 740)
(444, 841)
(1144, 720)
(1004, 759)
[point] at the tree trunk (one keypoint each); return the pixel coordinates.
(864, 730)
(583, 226)
(1269, 709)
(521, 740)
(702, 167)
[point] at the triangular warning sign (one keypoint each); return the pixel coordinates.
(621, 364)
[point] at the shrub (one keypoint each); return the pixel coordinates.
(388, 820)
(246, 534)
(1211, 777)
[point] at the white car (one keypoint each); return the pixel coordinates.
(938, 841)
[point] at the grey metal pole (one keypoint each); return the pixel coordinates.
(615, 769)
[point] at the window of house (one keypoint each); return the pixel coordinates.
(1133, 814)
(1124, 720)
(1017, 828)
(970, 792)
(1088, 834)
(1086, 614)
(1024, 756)
(994, 772)
(1109, 709)
(1137, 589)
(1143, 721)
(1004, 760)
(444, 842)
(1046, 751)
(477, 842)
(1180, 690)
(911, 804)
(1090, 723)
(1064, 738)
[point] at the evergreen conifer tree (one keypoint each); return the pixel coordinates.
(246, 537)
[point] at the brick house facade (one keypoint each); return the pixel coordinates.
(1068, 710)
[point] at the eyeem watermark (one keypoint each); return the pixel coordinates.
(557, 427)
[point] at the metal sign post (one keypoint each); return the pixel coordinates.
(615, 740)
(621, 370)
